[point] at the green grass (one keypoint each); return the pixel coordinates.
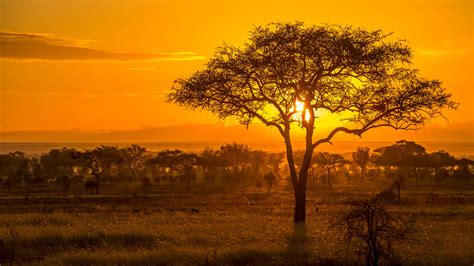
(231, 228)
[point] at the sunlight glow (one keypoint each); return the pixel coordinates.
(299, 109)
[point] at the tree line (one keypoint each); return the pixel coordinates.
(232, 164)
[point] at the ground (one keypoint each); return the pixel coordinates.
(219, 225)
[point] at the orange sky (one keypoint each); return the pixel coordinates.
(103, 64)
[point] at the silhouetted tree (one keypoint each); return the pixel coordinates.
(59, 165)
(439, 160)
(346, 71)
(235, 156)
(14, 168)
(361, 158)
(38, 172)
(464, 168)
(328, 161)
(99, 161)
(270, 179)
(274, 161)
(372, 230)
(258, 160)
(211, 161)
(178, 164)
(133, 157)
(407, 156)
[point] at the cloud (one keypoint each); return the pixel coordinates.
(142, 68)
(428, 52)
(131, 94)
(33, 46)
(28, 93)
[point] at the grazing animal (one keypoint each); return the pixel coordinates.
(391, 193)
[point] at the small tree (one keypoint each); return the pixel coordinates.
(361, 158)
(439, 160)
(329, 161)
(100, 161)
(210, 160)
(464, 169)
(59, 165)
(133, 157)
(372, 230)
(177, 164)
(235, 156)
(14, 168)
(286, 73)
(258, 160)
(270, 179)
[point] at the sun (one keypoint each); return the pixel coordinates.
(299, 109)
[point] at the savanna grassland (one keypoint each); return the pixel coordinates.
(219, 225)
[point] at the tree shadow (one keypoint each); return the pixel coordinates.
(298, 246)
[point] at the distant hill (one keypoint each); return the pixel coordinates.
(455, 132)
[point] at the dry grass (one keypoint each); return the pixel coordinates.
(234, 227)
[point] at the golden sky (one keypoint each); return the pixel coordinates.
(104, 64)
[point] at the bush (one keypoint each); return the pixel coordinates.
(372, 230)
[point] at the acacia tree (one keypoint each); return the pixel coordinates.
(361, 75)
(59, 165)
(100, 161)
(361, 158)
(258, 159)
(407, 156)
(134, 155)
(210, 160)
(235, 156)
(328, 161)
(178, 164)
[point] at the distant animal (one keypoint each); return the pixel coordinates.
(391, 193)
(194, 210)
(136, 211)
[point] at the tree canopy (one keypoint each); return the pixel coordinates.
(340, 69)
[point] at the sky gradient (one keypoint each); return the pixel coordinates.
(106, 65)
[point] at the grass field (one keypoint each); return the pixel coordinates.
(227, 227)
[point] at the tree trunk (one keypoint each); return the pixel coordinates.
(328, 178)
(299, 180)
(300, 200)
(97, 184)
(300, 206)
(300, 192)
(363, 171)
